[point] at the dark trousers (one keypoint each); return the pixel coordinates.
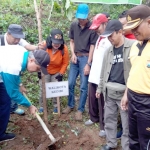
(13, 106)
(4, 109)
(139, 121)
(96, 106)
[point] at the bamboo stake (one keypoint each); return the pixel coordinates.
(38, 16)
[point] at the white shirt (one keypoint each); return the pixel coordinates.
(98, 55)
(22, 43)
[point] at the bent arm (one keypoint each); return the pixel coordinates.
(11, 83)
(100, 85)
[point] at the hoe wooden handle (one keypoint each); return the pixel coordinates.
(42, 123)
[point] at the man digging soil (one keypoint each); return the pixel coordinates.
(12, 62)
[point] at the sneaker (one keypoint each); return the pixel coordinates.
(19, 111)
(105, 147)
(119, 134)
(67, 110)
(102, 133)
(40, 111)
(78, 116)
(89, 122)
(55, 110)
(7, 137)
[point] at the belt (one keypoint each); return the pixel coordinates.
(81, 54)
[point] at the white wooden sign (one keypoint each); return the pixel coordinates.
(56, 89)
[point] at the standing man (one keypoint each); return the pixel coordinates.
(114, 74)
(13, 60)
(82, 41)
(96, 106)
(14, 36)
(137, 96)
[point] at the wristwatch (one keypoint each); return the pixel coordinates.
(20, 84)
(89, 64)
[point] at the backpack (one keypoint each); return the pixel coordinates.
(2, 42)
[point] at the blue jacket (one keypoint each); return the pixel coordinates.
(13, 60)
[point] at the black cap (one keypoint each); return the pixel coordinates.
(57, 36)
(107, 15)
(136, 15)
(16, 31)
(112, 26)
(123, 14)
(43, 59)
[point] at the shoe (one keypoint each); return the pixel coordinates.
(7, 137)
(78, 116)
(89, 122)
(40, 111)
(67, 110)
(19, 111)
(119, 134)
(55, 110)
(105, 147)
(102, 133)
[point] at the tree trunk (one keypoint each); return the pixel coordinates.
(38, 16)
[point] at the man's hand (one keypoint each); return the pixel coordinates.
(59, 77)
(86, 69)
(124, 102)
(23, 89)
(42, 45)
(74, 59)
(97, 95)
(33, 110)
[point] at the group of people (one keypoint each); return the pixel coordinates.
(114, 71)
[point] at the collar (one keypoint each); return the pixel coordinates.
(126, 44)
(88, 24)
(25, 61)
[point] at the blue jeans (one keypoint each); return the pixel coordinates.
(75, 70)
(4, 109)
(13, 106)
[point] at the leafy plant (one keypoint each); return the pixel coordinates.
(76, 131)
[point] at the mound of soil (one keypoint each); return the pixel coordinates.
(73, 135)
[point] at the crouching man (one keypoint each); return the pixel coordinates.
(114, 74)
(13, 60)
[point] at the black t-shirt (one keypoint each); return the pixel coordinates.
(117, 72)
(83, 38)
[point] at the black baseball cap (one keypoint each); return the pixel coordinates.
(107, 15)
(123, 14)
(43, 59)
(136, 15)
(112, 26)
(57, 36)
(16, 31)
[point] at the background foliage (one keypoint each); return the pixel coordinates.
(22, 12)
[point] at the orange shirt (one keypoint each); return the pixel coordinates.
(58, 62)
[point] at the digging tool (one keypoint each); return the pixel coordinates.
(53, 140)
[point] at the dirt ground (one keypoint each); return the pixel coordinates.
(73, 135)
